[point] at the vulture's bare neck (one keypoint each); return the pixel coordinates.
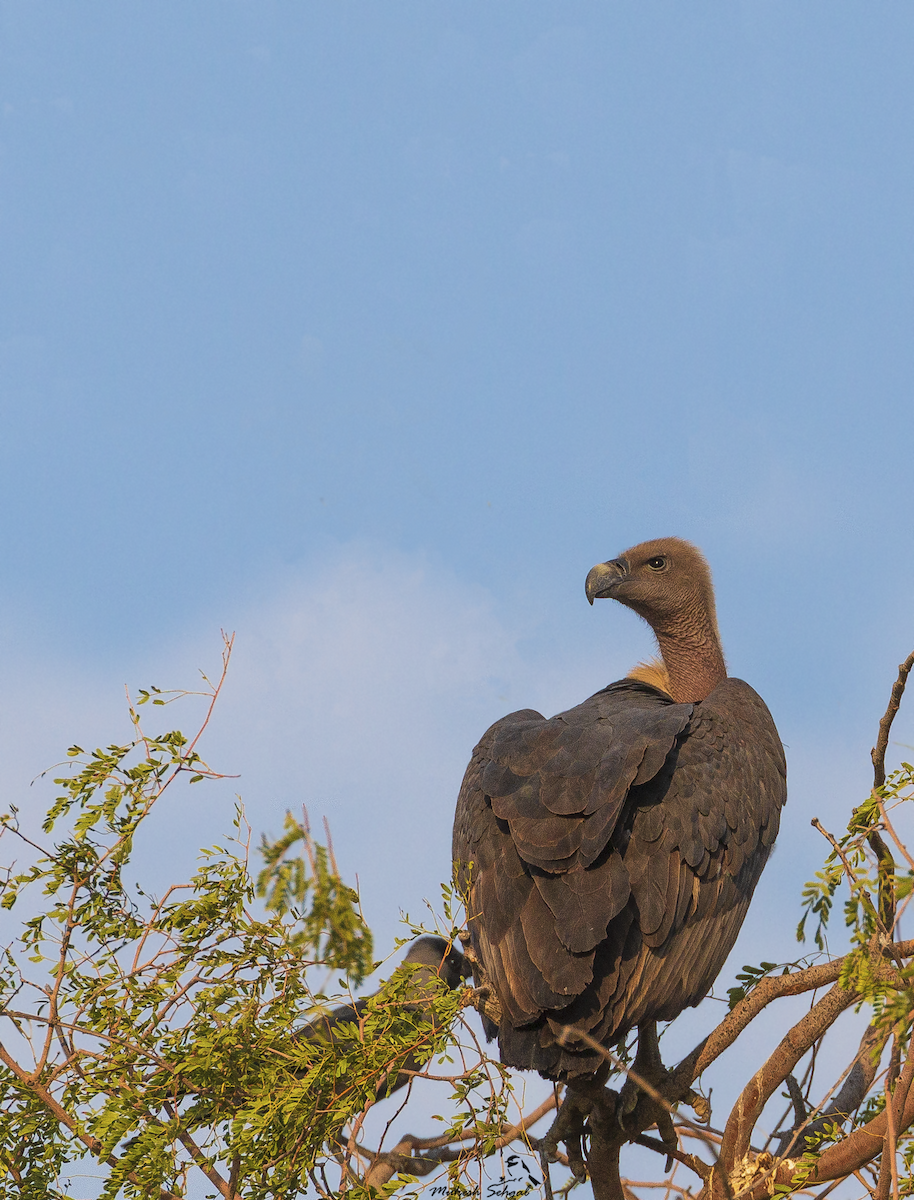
(692, 655)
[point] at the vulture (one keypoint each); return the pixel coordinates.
(433, 959)
(609, 854)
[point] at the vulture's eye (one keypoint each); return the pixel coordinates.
(656, 564)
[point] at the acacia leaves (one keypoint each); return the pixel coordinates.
(156, 1035)
(332, 929)
(873, 887)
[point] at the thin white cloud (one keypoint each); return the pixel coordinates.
(357, 689)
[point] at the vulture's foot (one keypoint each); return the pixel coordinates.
(700, 1105)
(648, 1070)
(568, 1127)
(592, 1115)
(648, 1063)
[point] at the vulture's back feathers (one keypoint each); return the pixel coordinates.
(609, 855)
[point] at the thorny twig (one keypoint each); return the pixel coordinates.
(882, 741)
(884, 858)
(402, 1158)
(855, 1083)
(877, 912)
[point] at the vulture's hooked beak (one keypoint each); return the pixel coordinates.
(603, 579)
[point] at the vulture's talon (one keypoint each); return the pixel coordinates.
(700, 1106)
(667, 1136)
(628, 1102)
(568, 1127)
(576, 1157)
(484, 1000)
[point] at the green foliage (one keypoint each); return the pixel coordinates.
(749, 979)
(333, 929)
(806, 1164)
(818, 897)
(861, 865)
(31, 1151)
(854, 867)
(156, 1035)
(850, 863)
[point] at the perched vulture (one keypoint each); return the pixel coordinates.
(609, 854)
(433, 960)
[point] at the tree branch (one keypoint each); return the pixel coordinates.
(755, 1095)
(861, 1145)
(401, 1158)
(858, 1081)
(184, 1137)
(767, 990)
(61, 1114)
(692, 1161)
(882, 741)
(884, 858)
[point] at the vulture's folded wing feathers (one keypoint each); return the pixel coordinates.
(613, 851)
(583, 902)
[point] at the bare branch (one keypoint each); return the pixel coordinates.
(860, 1146)
(794, 983)
(882, 741)
(858, 1079)
(886, 863)
(228, 644)
(793, 1046)
(402, 1159)
(233, 1177)
(701, 1168)
(225, 1189)
(796, 1099)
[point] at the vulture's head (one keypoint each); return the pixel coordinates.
(666, 581)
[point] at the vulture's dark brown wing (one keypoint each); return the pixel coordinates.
(609, 855)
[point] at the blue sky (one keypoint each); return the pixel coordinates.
(366, 329)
